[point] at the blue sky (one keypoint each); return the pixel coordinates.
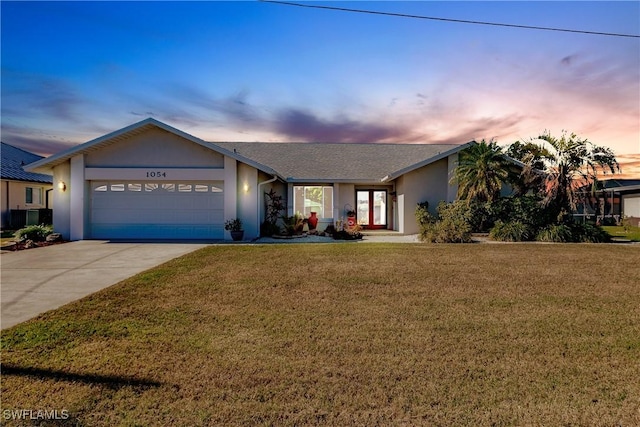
(254, 71)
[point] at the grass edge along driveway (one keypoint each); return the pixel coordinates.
(517, 334)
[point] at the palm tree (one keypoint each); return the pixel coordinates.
(573, 164)
(527, 178)
(482, 170)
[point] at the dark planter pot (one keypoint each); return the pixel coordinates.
(237, 235)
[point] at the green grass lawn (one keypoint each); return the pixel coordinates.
(6, 237)
(345, 334)
(633, 233)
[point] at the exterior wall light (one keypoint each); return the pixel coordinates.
(62, 186)
(246, 188)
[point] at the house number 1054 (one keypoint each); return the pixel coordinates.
(156, 174)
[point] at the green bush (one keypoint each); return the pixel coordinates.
(37, 233)
(268, 229)
(423, 216)
(588, 233)
(513, 231)
(452, 225)
(525, 209)
(557, 233)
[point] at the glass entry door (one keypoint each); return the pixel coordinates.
(372, 208)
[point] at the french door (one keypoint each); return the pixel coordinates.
(372, 208)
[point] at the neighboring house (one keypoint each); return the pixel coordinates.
(21, 190)
(152, 181)
(615, 199)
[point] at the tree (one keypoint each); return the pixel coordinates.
(573, 164)
(482, 170)
(530, 177)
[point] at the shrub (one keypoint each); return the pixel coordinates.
(233, 224)
(292, 224)
(37, 233)
(423, 216)
(452, 225)
(268, 229)
(557, 233)
(274, 205)
(525, 209)
(347, 235)
(513, 231)
(588, 233)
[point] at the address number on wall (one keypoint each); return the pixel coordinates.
(158, 174)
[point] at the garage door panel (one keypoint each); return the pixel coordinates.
(157, 210)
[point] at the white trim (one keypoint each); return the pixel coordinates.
(77, 196)
(230, 191)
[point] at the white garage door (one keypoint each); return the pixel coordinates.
(631, 205)
(157, 210)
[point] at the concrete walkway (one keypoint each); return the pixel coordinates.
(37, 280)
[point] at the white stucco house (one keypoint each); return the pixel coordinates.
(152, 181)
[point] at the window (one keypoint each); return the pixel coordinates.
(33, 195)
(307, 199)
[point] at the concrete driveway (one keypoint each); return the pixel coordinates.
(42, 279)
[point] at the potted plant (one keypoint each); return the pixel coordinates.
(293, 225)
(351, 220)
(234, 227)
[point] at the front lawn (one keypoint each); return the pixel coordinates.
(345, 334)
(6, 237)
(632, 233)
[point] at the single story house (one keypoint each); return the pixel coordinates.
(615, 199)
(152, 181)
(22, 191)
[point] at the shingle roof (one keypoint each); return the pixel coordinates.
(340, 162)
(319, 162)
(47, 164)
(14, 158)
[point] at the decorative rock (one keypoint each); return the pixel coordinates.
(29, 244)
(54, 237)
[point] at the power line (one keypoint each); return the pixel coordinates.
(462, 21)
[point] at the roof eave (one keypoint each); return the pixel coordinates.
(426, 162)
(46, 165)
(293, 180)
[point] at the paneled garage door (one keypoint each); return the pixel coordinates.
(157, 210)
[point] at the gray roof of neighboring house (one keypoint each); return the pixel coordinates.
(333, 162)
(13, 160)
(618, 183)
(622, 186)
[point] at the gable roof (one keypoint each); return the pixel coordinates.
(13, 160)
(290, 161)
(334, 162)
(622, 186)
(618, 183)
(48, 163)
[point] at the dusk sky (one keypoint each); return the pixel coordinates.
(256, 71)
